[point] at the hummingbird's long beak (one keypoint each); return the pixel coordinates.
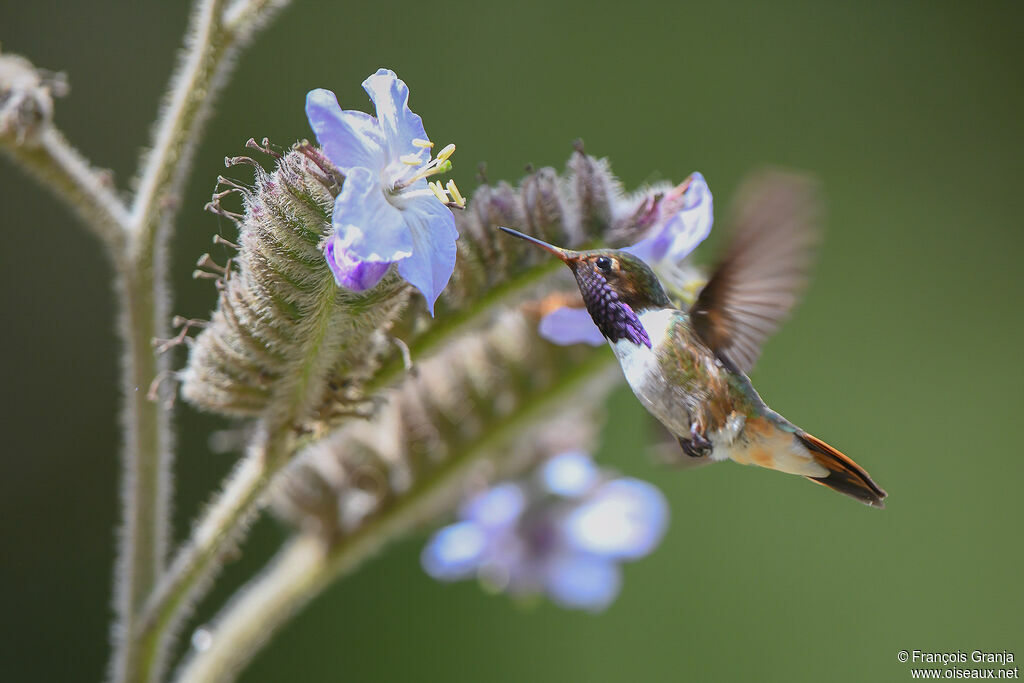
(566, 255)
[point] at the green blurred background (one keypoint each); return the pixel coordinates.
(906, 352)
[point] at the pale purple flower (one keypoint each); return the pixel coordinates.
(566, 325)
(386, 212)
(564, 533)
(684, 225)
(680, 219)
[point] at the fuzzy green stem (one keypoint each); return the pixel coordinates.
(296, 573)
(217, 31)
(60, 168)
(227, 519)
(232, 511)
(143, 491)
(304, 567)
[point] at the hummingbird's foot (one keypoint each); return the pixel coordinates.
(697, 446)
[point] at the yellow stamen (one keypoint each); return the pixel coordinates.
(446, 152)
(420, 142)
(456, 195)
(438, 191)
(436, 166)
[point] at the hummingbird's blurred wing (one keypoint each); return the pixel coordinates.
(762, 273)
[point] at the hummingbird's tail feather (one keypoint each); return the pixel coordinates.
(844, 475)
(770, 441)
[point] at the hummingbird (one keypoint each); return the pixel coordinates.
(689, 368)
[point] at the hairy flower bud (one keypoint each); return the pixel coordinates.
(542, 204)
(571, 210)
(284, 335)
(596, 192)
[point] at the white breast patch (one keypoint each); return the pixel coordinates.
(637, 360)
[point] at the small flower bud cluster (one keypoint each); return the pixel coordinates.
(585, 205)
(492, 393)
(283, 332)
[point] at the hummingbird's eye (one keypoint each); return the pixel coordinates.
(603, 263)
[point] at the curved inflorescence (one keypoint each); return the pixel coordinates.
(285, 334)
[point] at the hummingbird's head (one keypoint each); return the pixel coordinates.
(616, 287)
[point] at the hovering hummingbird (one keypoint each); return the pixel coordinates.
(688, 368)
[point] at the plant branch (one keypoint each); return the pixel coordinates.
(243, 490)
(60, 168)
(218, 30)
(304, 567)
(214, 537)
(144, 297)
(143, 491)
(296, 574)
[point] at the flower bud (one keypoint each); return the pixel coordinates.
(595, 193)
(542, 203)
(284, 336)
(568, 210)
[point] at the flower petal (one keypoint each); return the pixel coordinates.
(350, 138)
(454, 552)
(565, 326)
(694, 220)
(625, 518)
(570, 474)
(496, 508)
(430, 266)
(368, 226)
(401, 126)
(581, 581)
(680, 233)
(349, 271)
(653, 248)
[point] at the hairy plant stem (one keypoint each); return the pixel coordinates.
(307, 565)
(213, 538)
(231, 512)
(60, 168)
(144, 492)
(217, 31)
(295, 574)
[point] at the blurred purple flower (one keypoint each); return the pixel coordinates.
(387, 212)
(562, 533)
(679, 220)
(687, 213)
(566, 325)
